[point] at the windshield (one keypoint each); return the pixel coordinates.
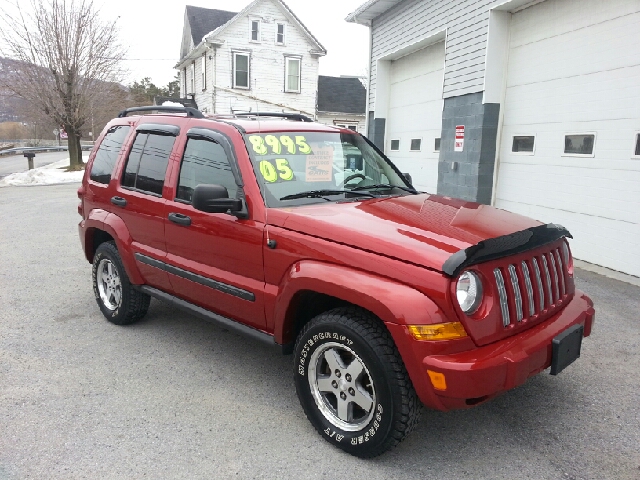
(298, 168)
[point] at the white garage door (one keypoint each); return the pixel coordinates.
(414, 119)
(574, 69)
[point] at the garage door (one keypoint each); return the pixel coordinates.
(572, 115)
(414, 119)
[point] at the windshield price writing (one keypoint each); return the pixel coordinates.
(284, 144)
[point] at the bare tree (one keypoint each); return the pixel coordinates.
(66, 55)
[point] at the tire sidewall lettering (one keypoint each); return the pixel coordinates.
(348, 439)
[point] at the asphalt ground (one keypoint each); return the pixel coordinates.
(176, 397)
(18, 163)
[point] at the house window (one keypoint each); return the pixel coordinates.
(184, 82)
(395, 145)
(292, 74)
(523, 143)
(416, 143)
(350, 126)
(192, 87)
(255, 30)
(203, 67)
(637, 150)
(240, 70)
(579, 144)
(436, 145)
(280, 34)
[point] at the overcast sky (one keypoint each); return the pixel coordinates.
(152, 31)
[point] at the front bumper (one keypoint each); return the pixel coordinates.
(478, 374)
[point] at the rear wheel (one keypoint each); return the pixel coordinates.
(352, 383)
(119, 302)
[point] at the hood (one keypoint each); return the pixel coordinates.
(422, 229)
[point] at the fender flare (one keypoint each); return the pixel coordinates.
(114, 226)
(389, 300)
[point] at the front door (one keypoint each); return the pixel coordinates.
(215, 259)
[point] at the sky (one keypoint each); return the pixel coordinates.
(152, 32)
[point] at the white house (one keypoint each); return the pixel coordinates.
(532, 106)
(342, 101)
(262, 58)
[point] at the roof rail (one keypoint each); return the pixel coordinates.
(291, 116)
(191, 112)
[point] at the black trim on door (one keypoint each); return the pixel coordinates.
(159, 128)
(227, 145)
(194, 277)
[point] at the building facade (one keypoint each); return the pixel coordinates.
(531, 106)
(260, 59)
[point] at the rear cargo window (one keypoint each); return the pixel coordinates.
(147, 163)
(107, 153)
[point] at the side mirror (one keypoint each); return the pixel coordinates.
(214, 199)
(408, 177)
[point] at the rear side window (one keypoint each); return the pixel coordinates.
(147, 163)
(107, 153)
(204, 163)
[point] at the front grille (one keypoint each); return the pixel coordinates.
(542, 277)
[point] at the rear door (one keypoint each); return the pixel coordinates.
(214, 259)
(138, 198)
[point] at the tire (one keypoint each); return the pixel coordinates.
(368, 412)
(119, 302)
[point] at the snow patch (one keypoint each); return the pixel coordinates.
(51, 174)
(171, 104)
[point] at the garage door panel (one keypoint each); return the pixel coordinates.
(420, 170)
(554, 18)
(601, 241)
(600, 96)
(595, 192)
(573, 53)
(415, 99)
(426, 60)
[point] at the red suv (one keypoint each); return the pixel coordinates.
(307, 237)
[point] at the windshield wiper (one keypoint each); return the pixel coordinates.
(385, 185)
(322, 193)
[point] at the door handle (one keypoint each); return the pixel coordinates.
(119, 201)
(180, 219)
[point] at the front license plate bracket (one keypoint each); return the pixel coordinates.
(566, 348)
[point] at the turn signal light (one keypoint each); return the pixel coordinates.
(438, 331)
(437, 380)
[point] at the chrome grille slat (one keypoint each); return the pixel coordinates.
(528, 287)
(516, 290)
(502, 292)
(563, 288)
(556, 288)
(548, 278)
(536, 268)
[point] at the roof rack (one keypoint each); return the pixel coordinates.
(290, 116)
(191, 112)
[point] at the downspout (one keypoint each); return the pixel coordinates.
(213, 89)
(368, 106)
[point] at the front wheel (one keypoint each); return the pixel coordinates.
(352, 383)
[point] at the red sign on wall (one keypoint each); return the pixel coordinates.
(459, 145)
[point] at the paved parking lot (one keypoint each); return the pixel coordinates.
(18, 163)
(176, 397)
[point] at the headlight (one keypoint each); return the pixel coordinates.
(469, 292)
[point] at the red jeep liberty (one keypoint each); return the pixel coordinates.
(307, 237)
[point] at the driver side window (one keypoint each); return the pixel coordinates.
(204, 163)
